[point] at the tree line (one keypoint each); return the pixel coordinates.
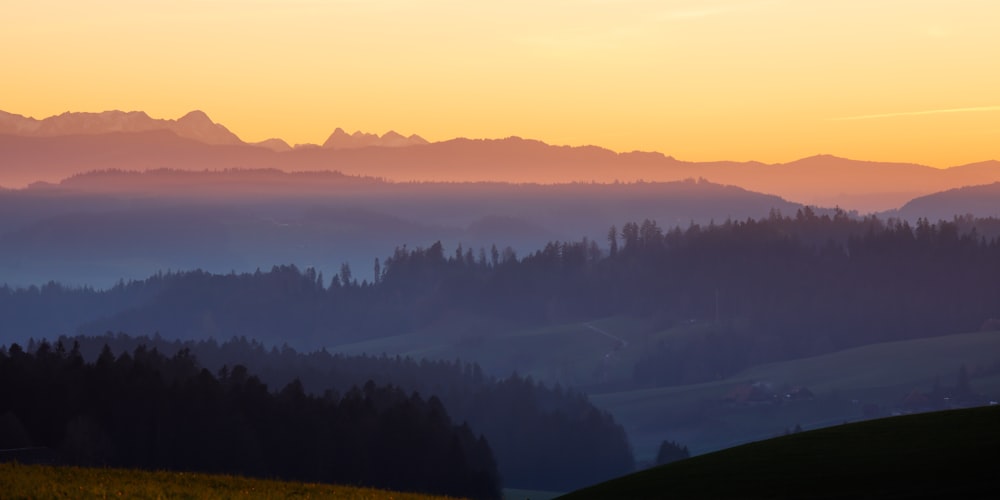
(144, 409)
(760, 290)
(547, 438)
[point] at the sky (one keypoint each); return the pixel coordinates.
(773, 81)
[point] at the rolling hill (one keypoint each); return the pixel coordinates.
(844, 383)
(948, 454)
(980, 201)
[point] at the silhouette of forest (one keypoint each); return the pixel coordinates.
(545, 438)
(150, 411)
(758, 290)
(764, 290)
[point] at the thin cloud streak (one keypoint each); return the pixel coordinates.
(977, 109)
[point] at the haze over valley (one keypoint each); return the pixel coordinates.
(654, 300)
(499, 250)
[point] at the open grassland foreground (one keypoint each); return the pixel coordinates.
(947, 454)
(43, 481)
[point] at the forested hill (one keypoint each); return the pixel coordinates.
(543, 438)
(149, 411)
(770, 289)
(757, 290)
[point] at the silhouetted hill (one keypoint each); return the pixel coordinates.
(827, 180)
(979, 201)
(983, 172)
(947, 454)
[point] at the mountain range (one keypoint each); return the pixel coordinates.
(61, 146)
(195, 125)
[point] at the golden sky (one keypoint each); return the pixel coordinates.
(898, 80)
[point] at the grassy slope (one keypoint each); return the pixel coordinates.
(42, 481)
(878, 373)
(951, 454)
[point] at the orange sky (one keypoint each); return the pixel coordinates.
(900, 80)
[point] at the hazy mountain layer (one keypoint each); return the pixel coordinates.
(101, 227)
(54, 148)
(194, 125)
(981, 201)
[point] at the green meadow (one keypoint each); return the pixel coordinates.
(44, 481)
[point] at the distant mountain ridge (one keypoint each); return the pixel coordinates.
(32, 150)
(981, 200)
(194, 125)
(341, 140)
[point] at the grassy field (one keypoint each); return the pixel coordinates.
(43, 481)
(949, 454)
(843, 382)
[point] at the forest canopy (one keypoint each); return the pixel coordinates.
(769, 289)
(149, 411)
(541, 437)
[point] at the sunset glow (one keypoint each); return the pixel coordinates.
(887, 80)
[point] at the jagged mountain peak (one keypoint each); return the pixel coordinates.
(197, 125)
(194, 125)
(197, 116)
(340, 139)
